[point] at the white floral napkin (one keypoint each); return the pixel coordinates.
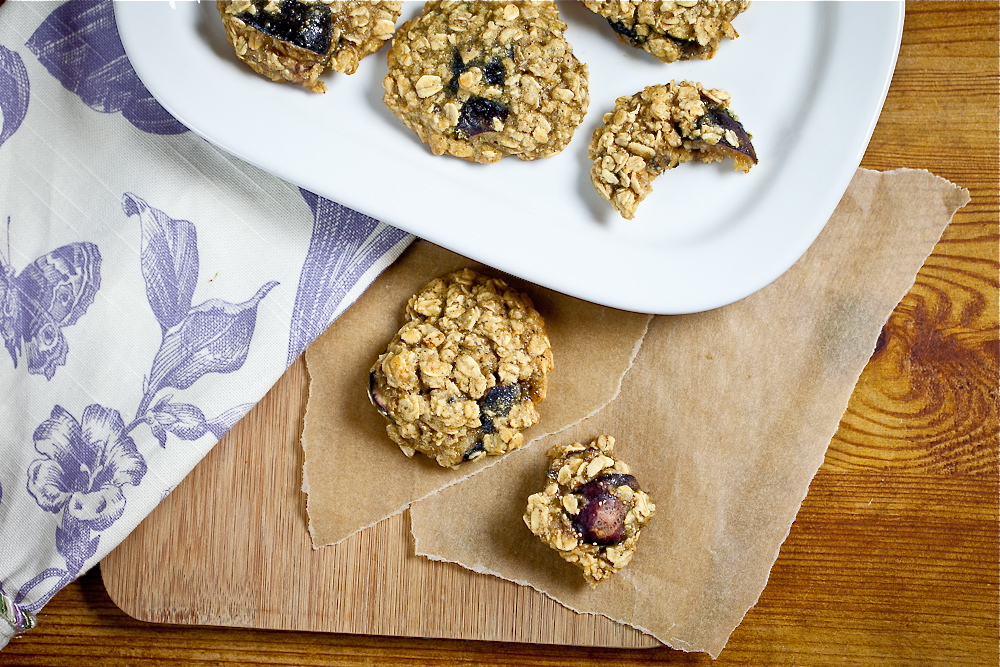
(152, 289)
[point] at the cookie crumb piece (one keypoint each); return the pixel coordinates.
(592, 509)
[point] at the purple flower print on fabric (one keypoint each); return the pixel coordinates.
(79, 45)
(51, 293)
(214, 337)
(343, 246)
(86, 464)
(83, 466)
(14, 93)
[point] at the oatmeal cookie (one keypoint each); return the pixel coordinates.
(591, 510)
(657, 129)
(483, 80)
(461, 378)
(671, 30)
(295, 41)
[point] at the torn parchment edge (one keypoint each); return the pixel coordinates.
(955, 200)
(305, 464)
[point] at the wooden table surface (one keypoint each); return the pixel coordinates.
(893, 558)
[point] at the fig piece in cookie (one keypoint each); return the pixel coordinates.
(484, 80)
(294, 41)
(672, 30)
(657, 129)
(461, 378)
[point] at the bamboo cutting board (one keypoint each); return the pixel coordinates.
(229, 547)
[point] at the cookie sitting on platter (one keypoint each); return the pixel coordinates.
(294, 41)
(672, 30)
(461, 378)
(658, 129)
(592, 509)
(483, 80)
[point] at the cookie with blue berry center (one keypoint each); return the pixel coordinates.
(484, 80)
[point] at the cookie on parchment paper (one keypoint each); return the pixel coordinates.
(460, 379)
(591, 510)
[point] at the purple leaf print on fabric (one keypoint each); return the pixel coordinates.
(169, 258)
(84, 466)
(79, 45)
(61, 576)
(185, 421)
(344, 245)
(51, 293)
(213, 338)
(14, 92)
(221, 424)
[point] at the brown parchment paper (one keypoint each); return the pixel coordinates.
(353, 475)
(724, 417)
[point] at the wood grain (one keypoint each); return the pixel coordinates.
(270, 577)
(893, 557)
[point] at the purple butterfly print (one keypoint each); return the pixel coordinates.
(14, 93)
(79, 45)
(51, 293)
(344, 245)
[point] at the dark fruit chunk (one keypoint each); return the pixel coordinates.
(478, 447)
(725, 120)
(601, 521)
(478, 114)
(627, 31)
(609, 483)
(494, 72)
(306, 25)
(497, 403)
(457, 67)
(373, 396)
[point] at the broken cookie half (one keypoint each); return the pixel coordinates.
(592, 509)
(671, 30)
(659, 128)
(295, 41)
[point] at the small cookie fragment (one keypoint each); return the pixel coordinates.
(483, 80)
(461, 378)
(658, 129)
(296, 40)
(672, 30)
(591, 510)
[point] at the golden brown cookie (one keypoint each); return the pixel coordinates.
(592, 509)
(483, 80)
(294, 41)
(461, 378)
(658, 129)
(671, 30)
